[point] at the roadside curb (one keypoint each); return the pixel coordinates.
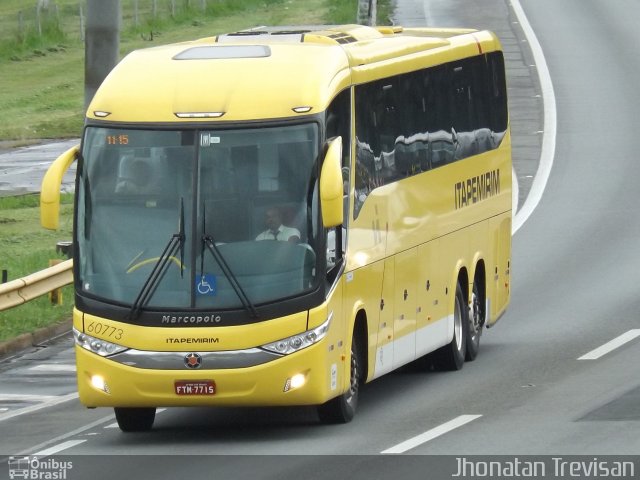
(33, 339)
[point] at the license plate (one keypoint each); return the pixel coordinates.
(200, 387)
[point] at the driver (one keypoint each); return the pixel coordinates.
(275, 228)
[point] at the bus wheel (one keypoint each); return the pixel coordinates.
(342, 409)
(476, 322)
(451, 357)
(135, 419)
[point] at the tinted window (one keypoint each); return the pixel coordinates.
(411, 123)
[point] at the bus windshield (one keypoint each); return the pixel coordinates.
(198, 219)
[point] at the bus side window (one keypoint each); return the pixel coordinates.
(338, 123)
(367, 144)
(499, 113)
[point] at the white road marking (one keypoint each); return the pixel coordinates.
(25, 397)
(550, 125)
(34, 408)
(66, 435)
(612, 345)
(58, 448)
(53, 367)
(431, 434)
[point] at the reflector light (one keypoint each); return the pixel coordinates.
(101, 114)
(301, 109)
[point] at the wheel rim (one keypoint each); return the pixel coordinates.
(353, 387)
(475, 316)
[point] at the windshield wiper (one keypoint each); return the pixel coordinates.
(207, 240)
(176, 242)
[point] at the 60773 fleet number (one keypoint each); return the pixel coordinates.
(106, 330)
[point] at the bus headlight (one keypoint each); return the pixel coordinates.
(298, 342)
(96, 345)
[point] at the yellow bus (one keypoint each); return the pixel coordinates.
(277, 216)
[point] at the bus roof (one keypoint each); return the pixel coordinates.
(269, 72)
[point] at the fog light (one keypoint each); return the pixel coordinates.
(297, 381)
(99, 384)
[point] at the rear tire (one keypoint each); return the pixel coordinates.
(135, 419)
(451, 357)
(342, 409)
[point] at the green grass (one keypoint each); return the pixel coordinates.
(25, 247)
(43, 75)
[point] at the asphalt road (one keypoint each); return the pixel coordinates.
(547, 380)
(22, 169)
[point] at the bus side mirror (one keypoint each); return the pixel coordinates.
(331, 185)
(50, 189)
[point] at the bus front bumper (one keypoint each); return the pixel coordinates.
(308, 377)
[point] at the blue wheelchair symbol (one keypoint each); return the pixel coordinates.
(206, 284)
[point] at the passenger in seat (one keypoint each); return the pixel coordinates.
(133, 176)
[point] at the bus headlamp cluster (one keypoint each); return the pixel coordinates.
(96, 345)
(298, 342)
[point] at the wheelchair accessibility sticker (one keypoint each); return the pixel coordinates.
(206, 284)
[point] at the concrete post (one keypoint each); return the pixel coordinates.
(363, 12)
(102, 43)
(367, 11)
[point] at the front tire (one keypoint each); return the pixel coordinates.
(342, 409)
(135, 419)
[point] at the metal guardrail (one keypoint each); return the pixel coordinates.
(19, 291)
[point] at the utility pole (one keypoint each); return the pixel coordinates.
(101, 44)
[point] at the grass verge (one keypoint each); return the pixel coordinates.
(43, 74)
